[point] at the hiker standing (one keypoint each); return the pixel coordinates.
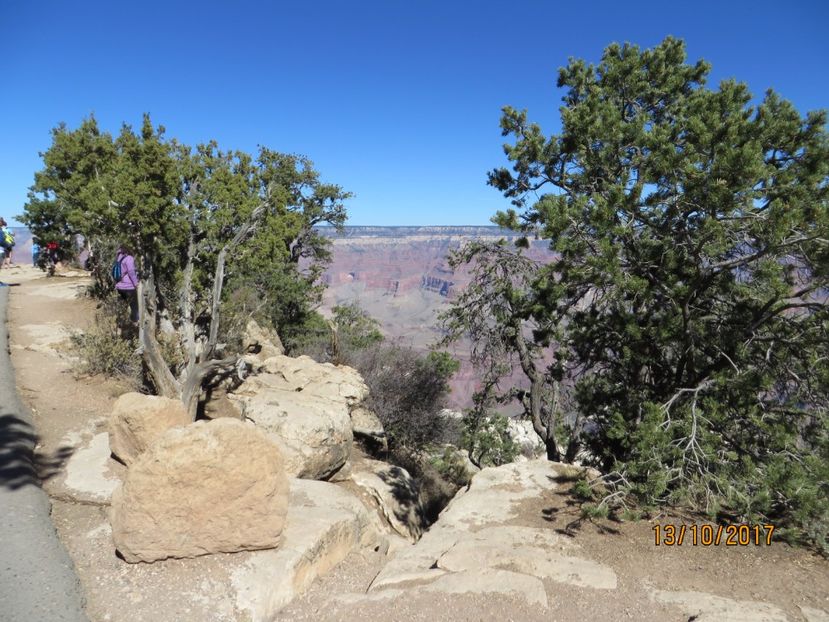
(126, 279)
(6, 241)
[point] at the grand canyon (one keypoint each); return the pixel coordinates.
(401, 277)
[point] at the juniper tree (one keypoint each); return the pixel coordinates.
(198, 220)
(690, 229)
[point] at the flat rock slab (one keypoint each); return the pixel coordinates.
(473, 535)
(814, 615)
(535, 552)
(526, 588)
(90, 472)
(494, 493)
(325, 523)
(489, 581)
(46, 338)
(63, 290)
(703, 607)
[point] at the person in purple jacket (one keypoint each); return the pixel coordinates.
(127, 286)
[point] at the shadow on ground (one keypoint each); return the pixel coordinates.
(566, 513)
(20, 464)
(404, 489)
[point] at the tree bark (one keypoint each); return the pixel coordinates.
(191, 388)
(163, 379)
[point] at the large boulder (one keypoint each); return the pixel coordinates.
(396, 495)
(303, 373)
(210, 487)
(138, 420)
(305, 407)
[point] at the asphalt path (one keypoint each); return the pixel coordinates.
(37, 578)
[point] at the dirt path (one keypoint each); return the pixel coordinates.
(37, 577)
(654, 583)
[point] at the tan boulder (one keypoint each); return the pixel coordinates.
(210, 487)
(321, 379)
(368, 428)
(137, 420)
(260, 342)
(396, 495)
(305, 407)
(313, 433)
(365, 422)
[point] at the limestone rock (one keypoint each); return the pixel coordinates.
(305, 406)
(325, 524)
(261, 343)
(313, 433)
(813, 615)
(536, 552)
(523, 435)
(710, 608)
(494, 492)
(366, 422)
(487, 581)
(369, 429)
(210, 487)
(138, 420)
(475, 534)
(397, 496)
(89, 473)
(321, 379)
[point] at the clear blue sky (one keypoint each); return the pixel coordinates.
(396, 101)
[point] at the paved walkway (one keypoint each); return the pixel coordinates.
(37, 579)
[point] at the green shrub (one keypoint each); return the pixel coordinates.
(407, 391)
(487, 440)
(106, 348)
(451, 466)
(592, 510)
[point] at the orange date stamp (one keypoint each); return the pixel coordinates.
(712, 535)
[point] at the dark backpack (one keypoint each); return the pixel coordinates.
(116, 269)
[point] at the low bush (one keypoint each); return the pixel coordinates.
(451, 466)
(407, 391)
(108, 346)
(487, 439)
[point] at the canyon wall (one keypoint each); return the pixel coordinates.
(402, 278)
